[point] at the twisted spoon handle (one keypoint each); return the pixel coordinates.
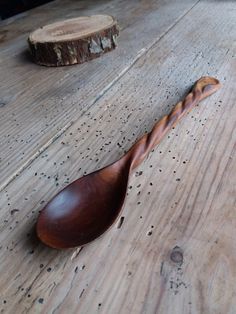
(203, 88)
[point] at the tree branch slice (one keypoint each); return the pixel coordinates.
(73, 41)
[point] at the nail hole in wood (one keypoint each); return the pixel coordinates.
(120, 222)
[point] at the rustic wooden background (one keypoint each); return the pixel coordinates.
(175, 251)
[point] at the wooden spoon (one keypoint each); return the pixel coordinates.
(87, 207)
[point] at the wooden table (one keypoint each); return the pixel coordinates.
(175, 251)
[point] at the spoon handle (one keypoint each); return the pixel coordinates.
(203, 88)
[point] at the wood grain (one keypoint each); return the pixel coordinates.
(73, 41)
(174, 251)
(47, 101)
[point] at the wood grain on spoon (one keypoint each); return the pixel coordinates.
(87, 207)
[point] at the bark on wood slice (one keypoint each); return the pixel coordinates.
(73, 41)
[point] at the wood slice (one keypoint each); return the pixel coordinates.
(73, 41)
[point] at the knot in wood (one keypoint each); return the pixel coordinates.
(176, 255)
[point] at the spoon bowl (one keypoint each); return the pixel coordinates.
(75, 217)
(87, 207)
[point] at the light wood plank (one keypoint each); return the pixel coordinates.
(46, 101)
(127, 270)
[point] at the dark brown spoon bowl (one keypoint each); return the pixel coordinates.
(87, 207)
(82, 211)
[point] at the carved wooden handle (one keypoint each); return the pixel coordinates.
(203, 88)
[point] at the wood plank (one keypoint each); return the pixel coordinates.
(46, 101)
(23, 23)
(185, 190)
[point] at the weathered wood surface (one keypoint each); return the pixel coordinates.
(48, 101)
(175, 250)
